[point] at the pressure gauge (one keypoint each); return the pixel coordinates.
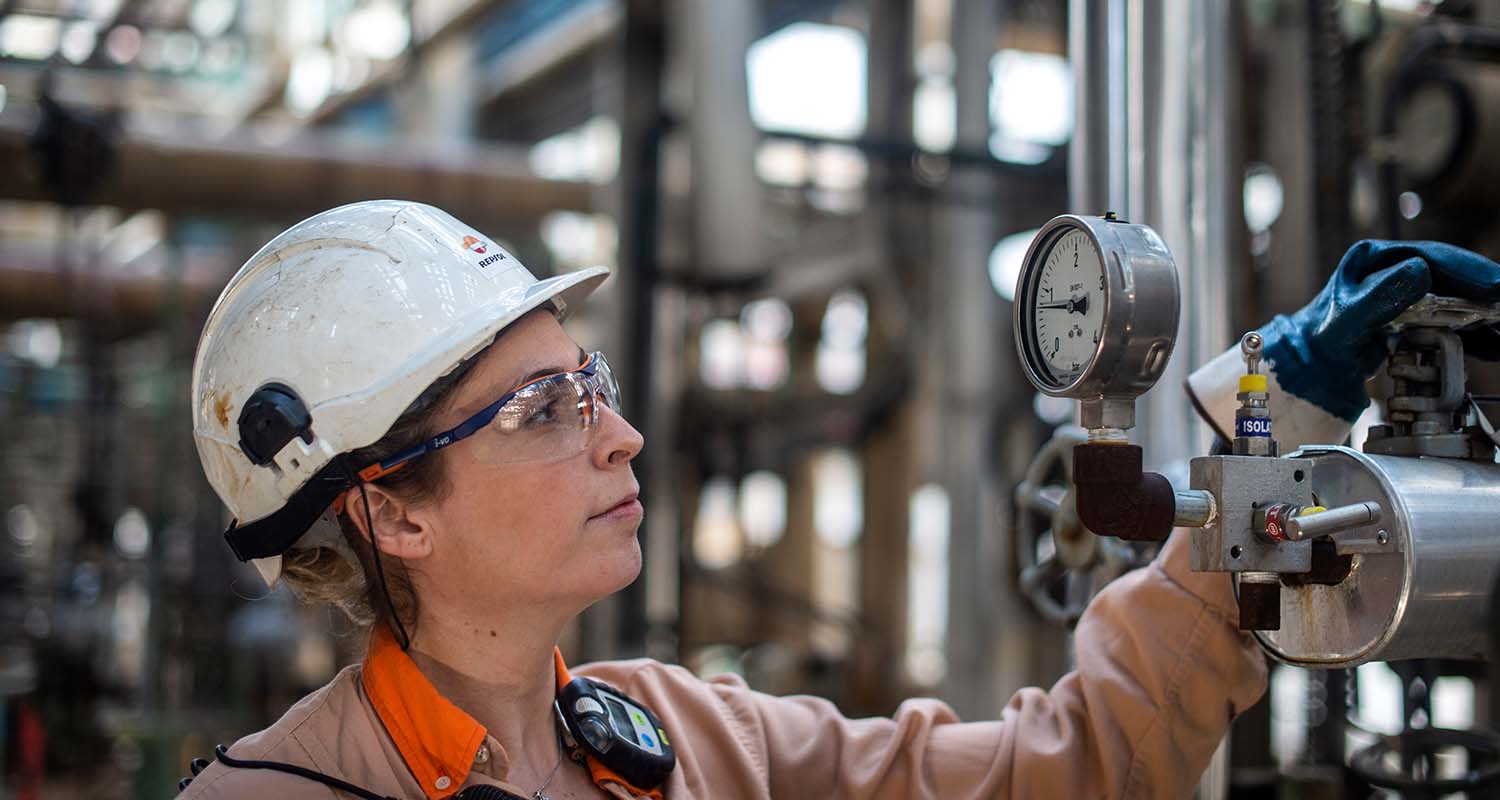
(1096, 314)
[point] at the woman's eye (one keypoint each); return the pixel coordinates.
(544, 415)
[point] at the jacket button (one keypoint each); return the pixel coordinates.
(483, 756)
(444, 782)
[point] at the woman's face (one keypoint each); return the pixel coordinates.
(561, 530)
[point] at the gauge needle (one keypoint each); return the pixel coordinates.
(1076, 305)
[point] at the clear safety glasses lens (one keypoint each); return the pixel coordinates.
(554, 417)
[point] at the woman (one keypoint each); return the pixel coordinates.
(388, 405)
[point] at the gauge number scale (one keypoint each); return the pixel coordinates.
(1096, 310)
(1069, 309)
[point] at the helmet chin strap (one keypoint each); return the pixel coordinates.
(379, 571)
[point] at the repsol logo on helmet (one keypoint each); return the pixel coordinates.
(478, 247)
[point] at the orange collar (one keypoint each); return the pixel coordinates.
(437, 739)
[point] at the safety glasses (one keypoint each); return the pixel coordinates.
(549, 418)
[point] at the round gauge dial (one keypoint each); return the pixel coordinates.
(1096, 311)
(1068, 305)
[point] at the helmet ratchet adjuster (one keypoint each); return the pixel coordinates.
(273, 416)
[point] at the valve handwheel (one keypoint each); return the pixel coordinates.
(1062, 565)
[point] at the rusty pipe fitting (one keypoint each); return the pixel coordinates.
(1116, 497)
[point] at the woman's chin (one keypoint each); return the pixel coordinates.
(625, 567)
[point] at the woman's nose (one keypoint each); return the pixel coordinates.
(617, 441)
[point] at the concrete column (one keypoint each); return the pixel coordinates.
(974, 351)
(886, 458)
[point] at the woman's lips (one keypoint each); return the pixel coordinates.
(626, 509)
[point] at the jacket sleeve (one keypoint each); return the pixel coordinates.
(1162, 670)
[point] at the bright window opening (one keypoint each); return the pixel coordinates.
(717, 540)
(1006, 261)
(809, 78)
(589, 152)
(765, 325)
(580, 240)
(1031, 105)
(840, 359)
(763, 508)
(838, 498)
(927, 591)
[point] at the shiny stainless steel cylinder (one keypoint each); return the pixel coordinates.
(1421, 593)
(1332, 521)
(1195, 508)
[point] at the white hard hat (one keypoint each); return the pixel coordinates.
(322, 340)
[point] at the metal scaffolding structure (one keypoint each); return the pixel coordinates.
(147, 147)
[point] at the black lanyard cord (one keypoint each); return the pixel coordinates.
(477, 792)
(222, 753)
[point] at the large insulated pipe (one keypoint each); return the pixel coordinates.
(262, 173)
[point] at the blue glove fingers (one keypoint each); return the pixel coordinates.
(1361, 308)
(1456, 272)
(1323, 353)
(1302, 370)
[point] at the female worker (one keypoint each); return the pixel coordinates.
(385, 400)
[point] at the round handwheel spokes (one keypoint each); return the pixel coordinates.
(1061, 564)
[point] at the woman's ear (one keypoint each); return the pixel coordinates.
(397, 533)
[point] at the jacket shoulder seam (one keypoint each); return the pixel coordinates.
(1180, 668)
(731, 715)
(289, 735)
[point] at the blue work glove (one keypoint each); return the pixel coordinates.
(1325, 352)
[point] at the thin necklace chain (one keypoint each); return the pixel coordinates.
(537, 795)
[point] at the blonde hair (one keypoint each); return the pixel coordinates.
(340, 568)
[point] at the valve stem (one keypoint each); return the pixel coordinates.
(1252, 420)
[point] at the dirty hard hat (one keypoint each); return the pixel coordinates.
(325, 336)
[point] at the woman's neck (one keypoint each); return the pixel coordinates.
(500, 674)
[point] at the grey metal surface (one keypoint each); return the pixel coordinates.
(1446, 312)
(1422, 594)
(1158, 110)
(1195, 508)
(1241, 484)
(1097, 51)
(1333, 521)
(1116, 413)
(1186, 177)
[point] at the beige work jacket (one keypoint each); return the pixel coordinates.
(1162, 670)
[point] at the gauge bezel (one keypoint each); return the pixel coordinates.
(1039, 371)
(1141, 309)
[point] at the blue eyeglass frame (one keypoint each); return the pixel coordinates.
(477, 422)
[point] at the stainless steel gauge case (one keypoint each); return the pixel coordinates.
(1139, 328)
